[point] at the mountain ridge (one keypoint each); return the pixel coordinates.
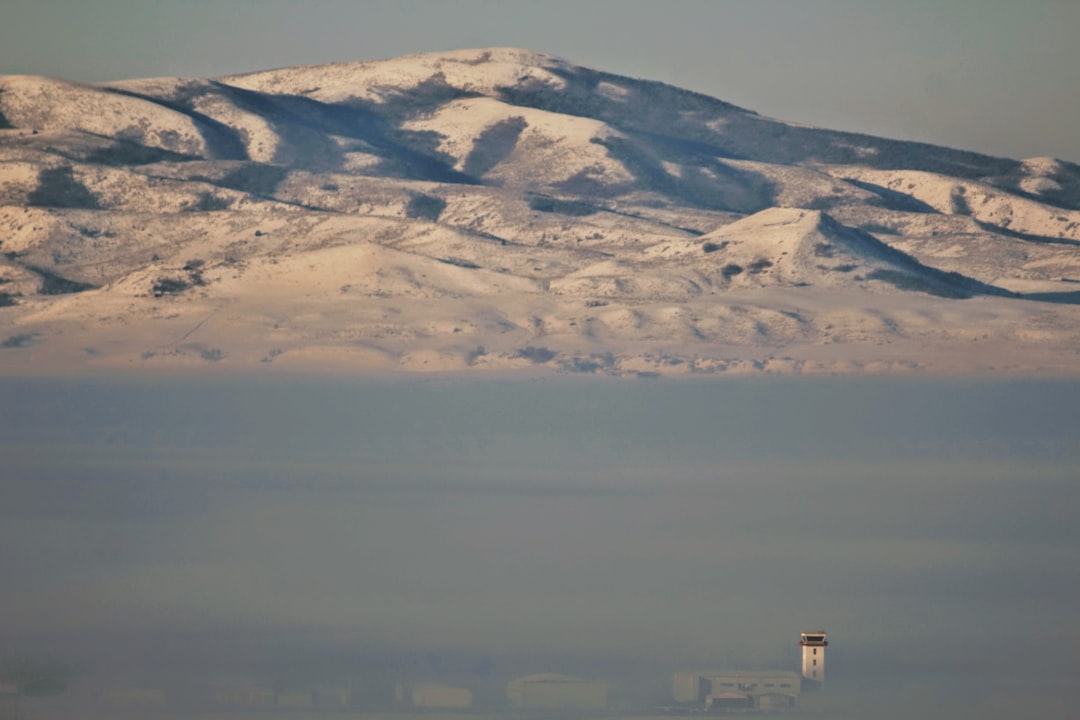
(550, 217)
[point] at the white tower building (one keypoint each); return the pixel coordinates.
(813, 656)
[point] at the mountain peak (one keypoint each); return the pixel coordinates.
(488, 55)
(482, 71)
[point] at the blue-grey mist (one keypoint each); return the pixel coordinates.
(166, 530)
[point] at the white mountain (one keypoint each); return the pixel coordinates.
(505, 209)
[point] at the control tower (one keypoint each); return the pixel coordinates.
(813, 658)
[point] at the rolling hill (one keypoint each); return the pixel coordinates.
(501, 209)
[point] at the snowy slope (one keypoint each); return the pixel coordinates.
(505, 209)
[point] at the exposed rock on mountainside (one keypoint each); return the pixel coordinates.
(503, 209)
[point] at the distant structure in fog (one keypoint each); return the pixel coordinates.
(737, 689)
(730, 690)
(246, 695)
(433, 696)
(556, 692)
(9, 700)
(132, 697)
(333, 697)
(813, 657)
(295, 699)
(242, 695)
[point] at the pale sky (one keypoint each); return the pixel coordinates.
(997, 76)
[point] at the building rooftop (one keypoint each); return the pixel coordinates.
(550, 677)
(747, 673)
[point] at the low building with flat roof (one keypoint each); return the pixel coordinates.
(245, 695)
(333, 697)
(434, 696)
(132, 697)
(735, 689)
(549, 691)
(295, 699)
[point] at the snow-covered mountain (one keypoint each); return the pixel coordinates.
(505, 209)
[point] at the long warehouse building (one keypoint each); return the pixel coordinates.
(735, 689)
(556, 692)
